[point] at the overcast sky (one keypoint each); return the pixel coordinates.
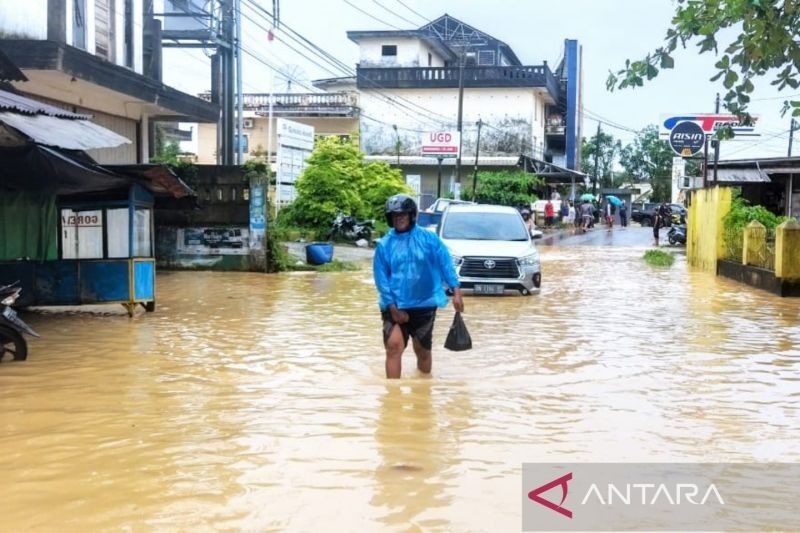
(609, 31)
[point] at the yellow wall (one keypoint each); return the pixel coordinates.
(704, 230)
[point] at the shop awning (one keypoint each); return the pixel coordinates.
(36, 168)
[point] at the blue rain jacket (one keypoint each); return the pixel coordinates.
(411, 268)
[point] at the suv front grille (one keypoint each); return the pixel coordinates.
(478, 267)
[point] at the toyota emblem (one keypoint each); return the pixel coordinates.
(489, 264)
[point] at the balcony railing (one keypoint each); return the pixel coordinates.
(344, 104)
(447, 77)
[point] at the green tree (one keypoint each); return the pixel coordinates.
(648, 159)
(507, 187)
(336, 178)
(607, 150)
(766, 42)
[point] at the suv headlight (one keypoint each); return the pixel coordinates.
(457, 259)
(529, 260)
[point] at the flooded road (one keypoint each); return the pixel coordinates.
(258, 402)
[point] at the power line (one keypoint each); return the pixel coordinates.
(401, 17)
(426, 19)
(370, 15)
(748, 147)
(339, 64)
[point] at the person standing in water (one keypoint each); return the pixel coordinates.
(411, 267)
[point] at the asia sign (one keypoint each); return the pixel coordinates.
(441, 144)
(709, 124)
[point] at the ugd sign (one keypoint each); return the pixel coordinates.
(441, 144)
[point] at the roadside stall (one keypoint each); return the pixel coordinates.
(82, 234)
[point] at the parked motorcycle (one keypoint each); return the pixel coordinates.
(12, 327)
(345, 227)
(677, 234)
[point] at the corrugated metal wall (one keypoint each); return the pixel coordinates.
(126, 127)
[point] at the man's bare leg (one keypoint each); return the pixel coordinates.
(424, 357)
(394, 353)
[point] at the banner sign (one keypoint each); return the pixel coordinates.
(441, 144)
(708, 123)
(295, 143)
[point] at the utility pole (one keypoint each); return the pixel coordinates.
(596, 159)
(239, 92)
(227, 55)
(397, 144)
(793, 125)
(477, 151)
(716, 143)
(460, 114)
(439, 178)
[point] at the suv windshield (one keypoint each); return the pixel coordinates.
(484, 227)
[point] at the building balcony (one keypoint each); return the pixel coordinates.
(304, 104)
(447, 78)
(342, 104)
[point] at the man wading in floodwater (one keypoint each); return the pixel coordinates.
(410, 266)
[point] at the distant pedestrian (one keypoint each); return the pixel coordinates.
(564, 212)
(549, 213)
(587, 214)
(623, 215)
(611, 210)
(663, 217)
(570, 220)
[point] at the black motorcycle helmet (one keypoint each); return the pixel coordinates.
(400, 203)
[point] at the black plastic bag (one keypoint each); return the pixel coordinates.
(458, 338)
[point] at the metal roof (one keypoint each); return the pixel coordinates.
(21, 104)
(9, 71)
(57, 131)
(739, 175)
(420, 161)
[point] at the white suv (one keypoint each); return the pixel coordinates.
(491, 249)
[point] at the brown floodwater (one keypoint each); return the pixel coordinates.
(258, 402)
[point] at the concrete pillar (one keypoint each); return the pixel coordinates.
(754, 248)
(787, 250)
(57, 20)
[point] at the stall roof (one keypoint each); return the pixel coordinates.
(38, 168)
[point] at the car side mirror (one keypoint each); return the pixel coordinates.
(536, 234)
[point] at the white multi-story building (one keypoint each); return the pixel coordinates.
(408, 83)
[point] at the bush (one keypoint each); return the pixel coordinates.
(512, 188)
(337, 179)
(658, 258)
(742, 213)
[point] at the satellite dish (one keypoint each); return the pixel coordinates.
(292, 79)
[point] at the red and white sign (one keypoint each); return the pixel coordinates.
(441, 144)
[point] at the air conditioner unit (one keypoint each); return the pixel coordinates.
(247, 123)
(690, 182)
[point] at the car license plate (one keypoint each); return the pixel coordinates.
(483, 288)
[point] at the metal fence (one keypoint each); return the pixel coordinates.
(764, 253)
(733, 241)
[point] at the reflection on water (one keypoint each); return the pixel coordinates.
(258, 402)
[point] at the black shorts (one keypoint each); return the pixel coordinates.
(419, 326)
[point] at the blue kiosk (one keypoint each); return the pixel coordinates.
(82, 234)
